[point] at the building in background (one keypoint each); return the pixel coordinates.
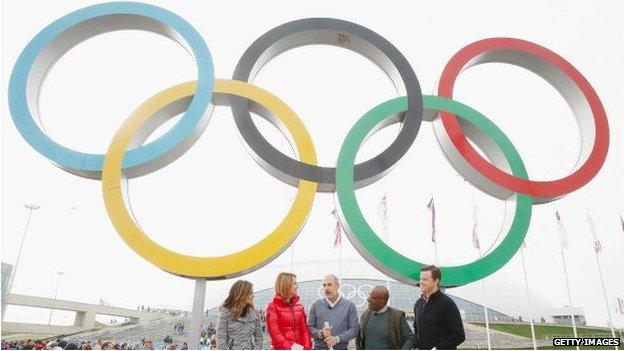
(563, 316)
(7, 271)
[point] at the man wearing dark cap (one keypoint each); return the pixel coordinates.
(437, 322)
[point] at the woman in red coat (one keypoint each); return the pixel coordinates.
(286, 318)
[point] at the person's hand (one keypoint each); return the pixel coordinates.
(326, 332)
(331, 341)
(296, 346)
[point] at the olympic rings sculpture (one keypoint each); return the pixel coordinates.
(502, 176)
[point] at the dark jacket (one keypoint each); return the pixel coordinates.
(286, 323)
(437, 323)
(396, 338)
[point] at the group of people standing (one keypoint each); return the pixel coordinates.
(333, 321)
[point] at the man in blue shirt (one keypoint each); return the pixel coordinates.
(333, 319)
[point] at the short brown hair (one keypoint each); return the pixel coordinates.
(435, 272)
(283, 285)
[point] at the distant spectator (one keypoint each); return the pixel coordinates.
(40, 345)
(148, 345)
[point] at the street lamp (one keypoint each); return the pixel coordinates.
(58, 283)
(31, 208)
(60, 276)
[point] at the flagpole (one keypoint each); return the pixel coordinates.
(477, 245)
(290, 199)
(565, 271)
(487, 319)
(485, 311)
(292, 257)
(340, 260)
(604, 292)
(385, 228)
(383, 214)
(526, 286)
(597, 249)
(563, 237)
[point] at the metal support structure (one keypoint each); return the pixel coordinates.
(196, 316)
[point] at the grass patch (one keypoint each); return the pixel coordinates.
(97, 326)
(574, 348)
(22, 336)
(542, 331)
(550, 348)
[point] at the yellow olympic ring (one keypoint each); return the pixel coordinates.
(219, 267)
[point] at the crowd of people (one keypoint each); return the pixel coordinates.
(208, 337)
(60, 344)
(330, 324)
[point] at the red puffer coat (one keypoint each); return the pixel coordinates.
(287, 324)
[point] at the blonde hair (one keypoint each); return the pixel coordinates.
(283, 285)
(235, 302)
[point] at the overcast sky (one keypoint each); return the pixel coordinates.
(194, 205)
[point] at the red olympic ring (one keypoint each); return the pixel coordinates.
(487, 50)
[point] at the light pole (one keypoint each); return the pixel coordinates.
(31, 208)
(60, 276)
(58, 283)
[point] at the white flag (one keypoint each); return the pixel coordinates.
(431, 207)
(563, 235)
(475, 235)
(383, 207)
(592, 229)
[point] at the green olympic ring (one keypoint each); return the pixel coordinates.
(383, 257)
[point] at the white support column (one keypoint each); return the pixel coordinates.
(197, 313)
